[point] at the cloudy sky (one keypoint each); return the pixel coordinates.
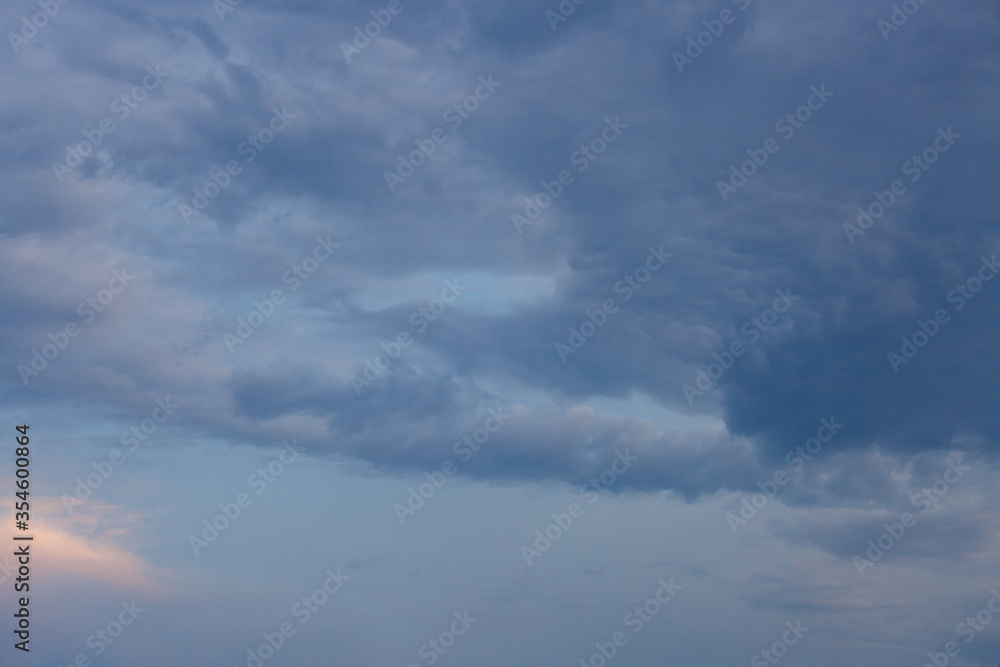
(397, 333)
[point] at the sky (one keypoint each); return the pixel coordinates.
(395, 333)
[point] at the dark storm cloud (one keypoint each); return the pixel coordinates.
(416, 420)
(656, 184)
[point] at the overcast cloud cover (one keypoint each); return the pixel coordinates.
(739, 253)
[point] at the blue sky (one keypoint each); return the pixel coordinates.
(541, 314)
